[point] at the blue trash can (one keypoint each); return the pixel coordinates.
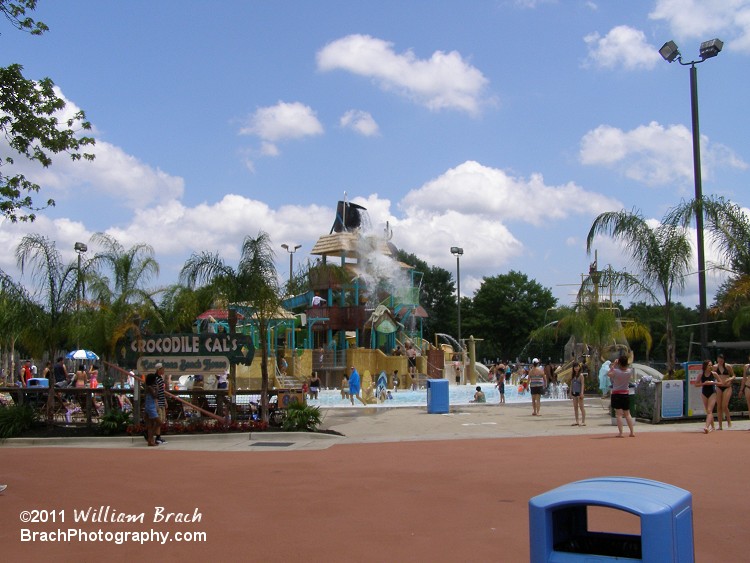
(38, 382)
(558, 525)
(437, 396)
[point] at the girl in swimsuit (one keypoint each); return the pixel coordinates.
(576, 392)
(725, 376)
(745, 385)
(707, 382)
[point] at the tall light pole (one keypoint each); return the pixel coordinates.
(80, 248)
(670, 53)
(291, 252)
(457, 252)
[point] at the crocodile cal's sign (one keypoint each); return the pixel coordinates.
(192, 353)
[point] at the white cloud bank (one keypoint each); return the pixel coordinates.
(654, 154)
(112, 174)
(444, 81)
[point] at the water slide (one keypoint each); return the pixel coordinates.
(482, 371)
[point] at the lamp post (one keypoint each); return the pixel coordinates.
(670, 53)
(291, 251)
(80, 248)
(457, 252)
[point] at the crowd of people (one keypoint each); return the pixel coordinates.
(715, 382)
(58, 375)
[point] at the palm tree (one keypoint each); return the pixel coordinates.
(16, 311)
(254, 284)
(660, 254)
(117, 282)
(56, 287)
(57, 290)
(728, 227)
(180, 306)
(726, 223)
(595, 325)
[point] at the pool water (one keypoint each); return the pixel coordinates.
(457, 395)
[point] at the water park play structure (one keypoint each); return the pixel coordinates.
(362, 309)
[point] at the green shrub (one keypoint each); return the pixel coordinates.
(114, 422)
(15, 420)
(301, 418)
(679, 374)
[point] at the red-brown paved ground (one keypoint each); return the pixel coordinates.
(457, 500)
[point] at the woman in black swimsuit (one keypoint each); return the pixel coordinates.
(725, 376)
(707, 383)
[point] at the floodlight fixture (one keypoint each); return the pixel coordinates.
(711, 48)
(669, 51)
(291, 251)
(457, 250)
(80, 247)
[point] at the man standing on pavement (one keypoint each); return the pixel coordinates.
(161, 401)
(60, 373)
(537, 384)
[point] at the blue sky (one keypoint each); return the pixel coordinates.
(504, 127)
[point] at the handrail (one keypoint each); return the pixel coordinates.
(167, 393)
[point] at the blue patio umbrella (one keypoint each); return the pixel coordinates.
(81, 355)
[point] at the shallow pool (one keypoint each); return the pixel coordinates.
(457, 395)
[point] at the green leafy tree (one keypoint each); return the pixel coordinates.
(651, 316)
(252, 286)
(180, 306)
(29, 122)
(504, 311)
(661, 256)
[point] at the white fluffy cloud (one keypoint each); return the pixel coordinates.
(444, 81)
(654, 154)
(623, 47)
(705, 19)
(282, 122)
(478, 190)
(359, 121)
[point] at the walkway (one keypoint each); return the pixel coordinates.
(400, 485)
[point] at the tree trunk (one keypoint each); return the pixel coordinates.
(669, 336)
(670, 346)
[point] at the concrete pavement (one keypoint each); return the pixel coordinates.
(361, 425)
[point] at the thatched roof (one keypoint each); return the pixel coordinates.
(348, 244)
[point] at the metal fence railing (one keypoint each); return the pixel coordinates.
(86, 407)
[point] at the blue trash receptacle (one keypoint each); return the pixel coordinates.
(38, 382)
(437, 396)
(558, 524)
